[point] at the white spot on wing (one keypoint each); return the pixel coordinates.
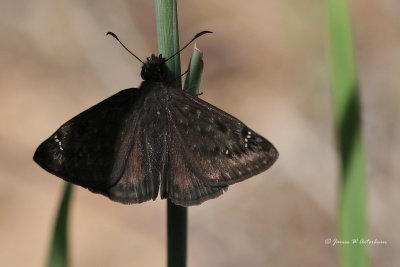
(58, 142)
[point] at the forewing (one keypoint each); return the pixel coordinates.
(92, 148)
(217, 148)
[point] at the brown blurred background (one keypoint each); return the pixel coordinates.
(266, 63)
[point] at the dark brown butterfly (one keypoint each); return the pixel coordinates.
(155, 137)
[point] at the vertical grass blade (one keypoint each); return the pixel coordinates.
(176, 235)
(168, 35)
(168, 44)
(193, 77)
(58, 254)
(352, 216)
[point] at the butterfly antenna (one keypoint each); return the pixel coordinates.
(183, 73)
(194, 38)
(116, 37)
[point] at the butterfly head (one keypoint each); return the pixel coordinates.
(155, 69)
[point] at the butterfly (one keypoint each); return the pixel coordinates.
(155, 139)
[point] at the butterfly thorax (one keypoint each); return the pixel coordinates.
(155, 69)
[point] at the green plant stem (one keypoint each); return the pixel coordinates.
(193, 77)
(58, 254)
(168, 44)
(352, 218)
(176, 235)
(168, 36)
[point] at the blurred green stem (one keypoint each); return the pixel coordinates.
(352, 218)
(58, 254)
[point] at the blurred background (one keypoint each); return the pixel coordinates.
(266, 63)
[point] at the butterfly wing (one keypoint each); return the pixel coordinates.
(180, 183)
(95, 148)
(148, 155)
(123, 146)
(216, 150)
